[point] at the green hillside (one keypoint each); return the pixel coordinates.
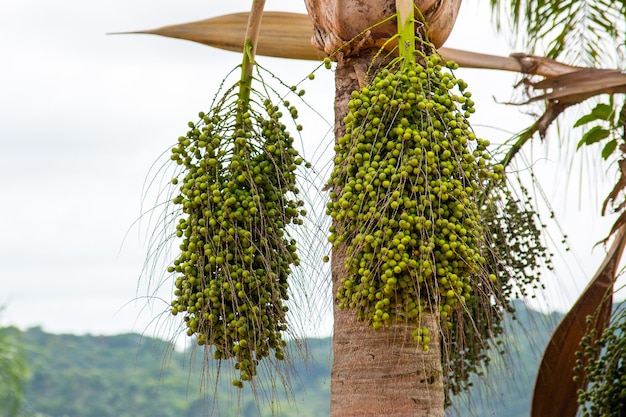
(130, 375)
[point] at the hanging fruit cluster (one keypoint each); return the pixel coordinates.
(428, 221)
(516, 255)
(408, 175)
(237, 196)
(602, 365)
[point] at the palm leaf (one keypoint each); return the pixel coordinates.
(284, 35)
(578, 31)
(573, 86)
(288, 35)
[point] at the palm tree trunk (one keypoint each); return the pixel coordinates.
(383, 372)
(378, 372)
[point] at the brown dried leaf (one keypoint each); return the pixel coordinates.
(284, 35)
(575, 87)
(619, 187)
(338, 23)
(289, 35)
(572, 86)
(532, 64)
(555, 392)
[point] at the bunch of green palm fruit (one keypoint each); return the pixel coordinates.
(408, 177)
(237, 195)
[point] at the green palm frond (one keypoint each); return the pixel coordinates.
(587, 32)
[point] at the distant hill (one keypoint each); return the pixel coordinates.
(132, 376)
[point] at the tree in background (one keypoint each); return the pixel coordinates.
(12, 371)
(385, 370)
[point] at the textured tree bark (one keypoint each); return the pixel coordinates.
(378, 372)
(384, 372)
(337, 22)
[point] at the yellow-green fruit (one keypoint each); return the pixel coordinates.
(237, 197)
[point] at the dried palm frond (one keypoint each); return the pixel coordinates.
(555, 390)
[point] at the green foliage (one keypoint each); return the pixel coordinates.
(575, 31)
(604, 364)
(12, 371)
(129, 375)
(611, 126)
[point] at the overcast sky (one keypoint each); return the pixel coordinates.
(85, 115)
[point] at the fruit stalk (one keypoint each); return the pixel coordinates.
(406, 30)
(249, 53)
